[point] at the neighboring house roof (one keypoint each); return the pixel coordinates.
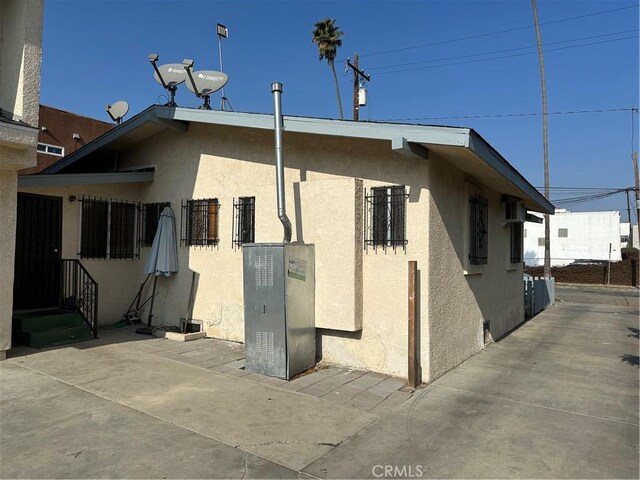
(463, 147)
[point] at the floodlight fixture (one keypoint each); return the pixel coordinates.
(222, 30)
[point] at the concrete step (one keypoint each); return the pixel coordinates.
(54, 336)
(45, 320)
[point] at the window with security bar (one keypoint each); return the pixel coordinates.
(478, 230)
(149, 216)
(244, 220)
(200, 222)
(386, 217)
(516, 235)
(108, 229)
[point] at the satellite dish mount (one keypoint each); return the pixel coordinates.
(169, 76)
(204, 82)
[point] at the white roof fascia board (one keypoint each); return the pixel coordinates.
(453, 136)
(483, 150)
(64, 179)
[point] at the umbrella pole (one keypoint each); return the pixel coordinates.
(153, 297)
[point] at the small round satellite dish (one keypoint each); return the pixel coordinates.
(208, 81)
(172, 74)
(118, 109)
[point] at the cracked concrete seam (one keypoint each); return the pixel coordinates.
(246, 465)
(242, 446)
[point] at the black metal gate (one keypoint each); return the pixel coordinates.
(38, 249)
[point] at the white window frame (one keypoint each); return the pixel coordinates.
(47, 147)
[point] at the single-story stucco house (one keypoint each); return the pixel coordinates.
(369, 196)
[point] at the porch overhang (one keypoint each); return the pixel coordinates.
(64, 179)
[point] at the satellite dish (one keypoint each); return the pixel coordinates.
(118, 110)
(171, 74)
(206, 82)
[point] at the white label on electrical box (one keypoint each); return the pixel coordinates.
(297, 269)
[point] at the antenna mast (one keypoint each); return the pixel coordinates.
(222, 31)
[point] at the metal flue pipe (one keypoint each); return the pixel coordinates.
(276, 89)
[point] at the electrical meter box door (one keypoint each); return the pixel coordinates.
(279, 308)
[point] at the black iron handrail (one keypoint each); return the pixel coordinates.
(79, 292)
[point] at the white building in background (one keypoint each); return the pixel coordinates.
(574, 236)
(624, 236)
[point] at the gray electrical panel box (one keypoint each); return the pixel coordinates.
(279, 308)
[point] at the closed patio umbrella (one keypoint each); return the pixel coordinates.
(163, 256)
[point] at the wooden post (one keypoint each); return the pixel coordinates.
(414, 377)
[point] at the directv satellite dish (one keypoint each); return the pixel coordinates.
(118, 110)
(169, 76)
(204, 82)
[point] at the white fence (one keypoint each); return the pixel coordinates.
(539, 294)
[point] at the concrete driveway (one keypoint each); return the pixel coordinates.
(557, 398)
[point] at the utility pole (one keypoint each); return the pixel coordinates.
(545, 144)
(635, 173)
(630, 241)
(357, 74)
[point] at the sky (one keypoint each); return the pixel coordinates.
(459, 63)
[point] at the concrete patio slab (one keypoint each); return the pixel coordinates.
(278, 425)
(54, 430)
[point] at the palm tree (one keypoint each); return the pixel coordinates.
(326, 35)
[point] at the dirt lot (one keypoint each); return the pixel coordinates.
(622, 273)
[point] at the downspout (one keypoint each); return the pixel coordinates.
(276, 89)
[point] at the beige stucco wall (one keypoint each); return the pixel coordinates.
(361, 296)
(226, 163)
(20, 62)
(458, 303)
(20, 58)
(7, 248)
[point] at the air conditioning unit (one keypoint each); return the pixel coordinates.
(515, 211)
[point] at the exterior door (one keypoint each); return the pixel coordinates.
(38, 246)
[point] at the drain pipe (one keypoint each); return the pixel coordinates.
(276, 89)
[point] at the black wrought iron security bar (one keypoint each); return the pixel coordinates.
(148, 221)
(108, 229)
(478, 229)
(516, 235)
(385, 217)
(243, 227)
(199, 222)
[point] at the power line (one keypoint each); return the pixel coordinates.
(505, 56)
(500, 115)
(500, 51)
(470, 37)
